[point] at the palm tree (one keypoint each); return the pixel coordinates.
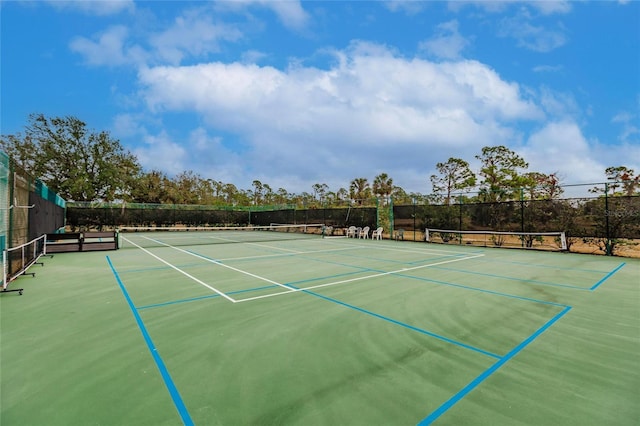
(359, 190)
(383, 186)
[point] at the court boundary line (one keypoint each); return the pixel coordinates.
(289, 288)
(216, 262)
(380, 274)
(536, 282)
(402, 324)
(164, 372)
(181, 271)
(478, 380)
(606, 277)
(442, 409)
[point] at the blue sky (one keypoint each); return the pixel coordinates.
(296, 93)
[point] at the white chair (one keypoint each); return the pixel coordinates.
(364, 233)
(351, 232)
(377, 234)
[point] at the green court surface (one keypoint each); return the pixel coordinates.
(321, 332)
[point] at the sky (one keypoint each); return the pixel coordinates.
(295, 93)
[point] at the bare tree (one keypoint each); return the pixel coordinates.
(455, 175)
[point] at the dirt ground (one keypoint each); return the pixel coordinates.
(626, 248)
(623, 248)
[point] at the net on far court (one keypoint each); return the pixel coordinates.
(552, 241)
(16, 260)
(131, 237)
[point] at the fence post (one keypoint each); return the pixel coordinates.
(413, 200)
(608, 248)
(460, 219)
(391, 218)
(522, 213)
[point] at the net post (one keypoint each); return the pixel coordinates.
(563, 241)
(4, 269)
(426, 234)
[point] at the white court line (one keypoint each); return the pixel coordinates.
(181, 271)
(224, 266)
(381, 274)
(287, 253)
(420, 251)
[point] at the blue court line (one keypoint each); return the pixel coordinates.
(209, 296)
(573, 287)
(537, 265)
(402, 324)
(399, 274)
(606, 277)
(466, 287)
(157, 268)
(427, 259)
(171, 387)
(482, 377)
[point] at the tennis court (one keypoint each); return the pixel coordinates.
(211, 329)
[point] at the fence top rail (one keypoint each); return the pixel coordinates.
(41, 237)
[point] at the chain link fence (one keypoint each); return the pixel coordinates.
(605, 221)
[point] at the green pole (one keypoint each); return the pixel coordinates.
(391, 218)
(414, 218)
(608, 250)
(522, 213)
(460, 219)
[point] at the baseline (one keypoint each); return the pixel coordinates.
(164, 372)
(380, 274)
(202, 283)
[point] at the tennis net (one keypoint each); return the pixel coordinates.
(16, 260)
(146, 237)
(553, 241)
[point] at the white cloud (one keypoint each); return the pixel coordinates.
(523, 25)
(290, 13)
(194, 33)
(160, 152)
(95, 7)
(109, 48)
(410, 7)
(545, 7)
(548, 68)
(448, 43)
(538, 38)
(559, 104)
(630, 132)
(561, 147)
(126, 125)
(550, 7)
(372, 111)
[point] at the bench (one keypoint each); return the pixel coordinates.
(81, 241)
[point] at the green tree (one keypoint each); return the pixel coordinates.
(320, 191)
(78, 164)
(258, 188)
(342, 194)
(383, 186)
(540, 186)
(500, 173)
(282, 196)
(359, 190)
(229, 194)
(622, 177)
(455, 175)
(150, 187)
